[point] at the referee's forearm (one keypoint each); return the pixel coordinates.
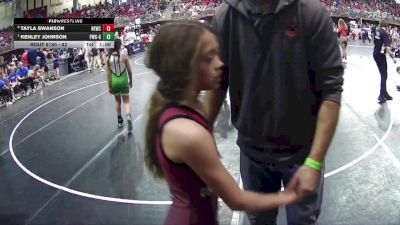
(326, 125)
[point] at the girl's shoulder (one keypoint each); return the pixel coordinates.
(186, 133)
(124, 56)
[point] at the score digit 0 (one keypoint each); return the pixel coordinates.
(108, 28)
(109, 36)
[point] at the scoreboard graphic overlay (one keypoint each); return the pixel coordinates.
(64, 33)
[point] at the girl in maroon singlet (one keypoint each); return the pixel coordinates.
(179, 141)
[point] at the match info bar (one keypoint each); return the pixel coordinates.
(64, 33)
(63, 44)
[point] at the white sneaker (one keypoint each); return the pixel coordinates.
(129, 120)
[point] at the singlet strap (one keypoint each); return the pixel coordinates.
(174, 111)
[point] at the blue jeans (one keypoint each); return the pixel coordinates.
(265, 177)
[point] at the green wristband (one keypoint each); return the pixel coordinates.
(313, 164)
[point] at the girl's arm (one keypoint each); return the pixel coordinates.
(185, 141)
(128, 67)
(108, 74)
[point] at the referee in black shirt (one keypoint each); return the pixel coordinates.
(382, 46)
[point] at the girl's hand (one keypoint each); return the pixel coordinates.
(287, 197)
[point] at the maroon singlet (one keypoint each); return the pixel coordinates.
(192, 201)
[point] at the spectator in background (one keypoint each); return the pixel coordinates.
(37, 74)
(102, 55)
(14, 58)
(95, 60)
(23, 78)
(24, 58)
(13, 81)
(373, 31)
(131, 41)
(43, 63)
(5, 90)
(32, 54)
(395, 38)
(125, 41)
(3, 64)
(365, 35)
(343, 39)
(87, 57)
(12, 67)
(124, 50)
(56, 65)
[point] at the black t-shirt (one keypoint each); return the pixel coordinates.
(381, 40)
(373, 30)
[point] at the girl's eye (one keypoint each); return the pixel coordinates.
(208, 58)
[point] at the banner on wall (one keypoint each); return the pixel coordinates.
(138, 47)
(56, 4)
